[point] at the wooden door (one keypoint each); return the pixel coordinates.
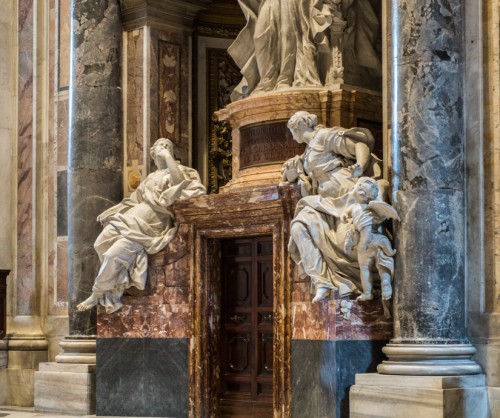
(246, 345)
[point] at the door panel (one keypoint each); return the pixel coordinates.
(247, 327)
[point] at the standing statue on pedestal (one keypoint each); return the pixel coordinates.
(140, 225)
(328, 170)
(300, 43)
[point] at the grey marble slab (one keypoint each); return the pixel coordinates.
(143, 377)
(324, 371)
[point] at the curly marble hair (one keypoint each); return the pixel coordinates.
(369, 187)
(167, 143)
(307, 118)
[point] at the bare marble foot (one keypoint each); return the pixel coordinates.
(321, 293)
(88, 303)
(356, 170)
(365, 296)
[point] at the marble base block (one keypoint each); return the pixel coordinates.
(19, 387)
(494, 401)
(386, 396)
(142, 377)
(66, 388)
(324, 371)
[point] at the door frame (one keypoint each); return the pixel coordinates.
(268, 218)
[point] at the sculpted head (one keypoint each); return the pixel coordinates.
(366, 189)
(161, 143)
(300, 122)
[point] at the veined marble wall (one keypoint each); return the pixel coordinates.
(37, 286)
(156, 83)
(483, 177)
(7, 129)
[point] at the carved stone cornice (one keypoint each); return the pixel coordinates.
(213, 30)
(161, 14)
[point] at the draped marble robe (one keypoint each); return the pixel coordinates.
(140, 225)
(276, 49)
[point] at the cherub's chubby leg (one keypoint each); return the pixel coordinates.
(366, 281)
(385, 280)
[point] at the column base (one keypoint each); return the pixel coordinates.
(24, 354)
(77, 350)
(383, 396)
(68, 386)
(429, 360)
(65, 388)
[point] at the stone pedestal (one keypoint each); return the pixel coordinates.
(73, 383)
(25, 353)
(418, 396)
(261, 142)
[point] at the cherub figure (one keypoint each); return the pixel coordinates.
(374, 248)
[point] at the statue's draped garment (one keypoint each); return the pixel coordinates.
(317, 234)
(140, 225)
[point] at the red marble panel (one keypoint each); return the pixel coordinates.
(64, 34)
(326, 321)
(170, 69)
(169, 89)
(25, 276)
(162, 310)
(135, 102)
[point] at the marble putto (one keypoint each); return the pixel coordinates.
(335, 237)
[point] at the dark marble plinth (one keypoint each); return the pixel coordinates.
(142, 377)
(324, 371)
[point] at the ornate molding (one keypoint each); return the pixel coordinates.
(217, 30)
(161, 14)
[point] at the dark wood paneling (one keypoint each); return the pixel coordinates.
(247, 327)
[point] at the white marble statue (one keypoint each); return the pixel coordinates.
(300, 43)
(140, 225)
(277, 49)
(374, 248)
(333, 161)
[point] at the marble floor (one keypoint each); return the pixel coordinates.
(17, 412)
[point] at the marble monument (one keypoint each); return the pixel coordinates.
(298, 43)
(335, 235)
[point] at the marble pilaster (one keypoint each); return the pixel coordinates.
(94, 184)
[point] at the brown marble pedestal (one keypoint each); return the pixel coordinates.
(261, 141)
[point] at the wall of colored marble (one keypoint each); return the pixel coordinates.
(148, 340)
(157, 104)
(482, 117)
(7, 131)
(41, 195)
(332, 340)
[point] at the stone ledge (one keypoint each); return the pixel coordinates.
(431, 382)
(425, 396)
